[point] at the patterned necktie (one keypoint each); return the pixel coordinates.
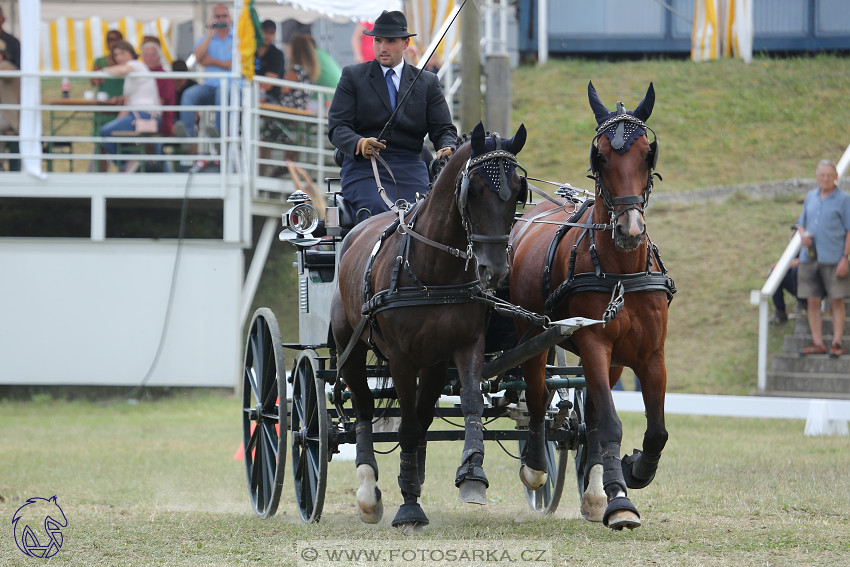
(391, 87)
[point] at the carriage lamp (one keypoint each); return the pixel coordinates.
(302, 219)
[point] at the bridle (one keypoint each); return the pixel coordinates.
(494, 163)
(629, 202)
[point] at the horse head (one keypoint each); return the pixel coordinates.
(486, 194)
(622, 160)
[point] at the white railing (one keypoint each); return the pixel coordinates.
(72, 125)
(302, 134)
(70, 132)
(761, 297)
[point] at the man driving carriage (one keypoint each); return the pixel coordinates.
(363, 109)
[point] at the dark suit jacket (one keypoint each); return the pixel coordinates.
(361, 107)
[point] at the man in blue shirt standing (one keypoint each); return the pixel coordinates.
(215, 52)
(824, 228)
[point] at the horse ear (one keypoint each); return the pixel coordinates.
(599, 110)
(478, 139)
(644, 109)
(515, 144)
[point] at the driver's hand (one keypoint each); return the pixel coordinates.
(444, 153)
(368, 146)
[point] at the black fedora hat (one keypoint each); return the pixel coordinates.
(390, 24)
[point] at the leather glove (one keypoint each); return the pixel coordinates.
(444, 153)
(367, 146)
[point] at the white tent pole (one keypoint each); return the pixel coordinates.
(30, 122)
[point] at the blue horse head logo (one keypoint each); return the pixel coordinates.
(38, 527)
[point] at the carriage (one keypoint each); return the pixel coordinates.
(304, 410)
(522, 373)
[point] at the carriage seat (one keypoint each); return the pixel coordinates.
(320, 262)
(346, 214)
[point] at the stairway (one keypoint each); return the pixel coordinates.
(810, 376)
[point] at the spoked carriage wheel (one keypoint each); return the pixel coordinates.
(545, 499)
(581, 453)
(264, 419)
(309, 437)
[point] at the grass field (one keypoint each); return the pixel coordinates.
(155, 484)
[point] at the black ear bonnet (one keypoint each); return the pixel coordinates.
(495, 159)
(622, 127)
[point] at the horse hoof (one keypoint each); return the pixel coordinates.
(370, 510)
(370, 507)
(594, 500)
(410, 518)
(472, 492)
(627, 464)
(623, 519)
(621, 513)
(532, 479)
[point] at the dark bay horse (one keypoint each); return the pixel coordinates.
(564, 265)
(412, 301)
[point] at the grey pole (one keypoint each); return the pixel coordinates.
(497, 107)
(470, 68)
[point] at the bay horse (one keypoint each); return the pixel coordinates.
(560, 267)
(413, 301)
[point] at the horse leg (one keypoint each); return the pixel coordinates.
(410, 515)
(620, 512)
(369, 504)
(639, 467)
(534, 469)
(470, 479)
(593, 500)
(431, 382)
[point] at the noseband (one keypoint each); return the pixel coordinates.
(623, 125)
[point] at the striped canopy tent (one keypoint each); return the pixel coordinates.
(72, 45)
(722, 28)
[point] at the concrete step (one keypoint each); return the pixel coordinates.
(792, 344)
(801, 326)
(827, 384)
(813, 364)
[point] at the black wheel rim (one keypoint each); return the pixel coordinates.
(309, 438)
(263, 425)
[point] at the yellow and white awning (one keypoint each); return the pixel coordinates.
(72, 45)
(722, 28)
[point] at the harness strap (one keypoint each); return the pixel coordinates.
(556, 240)
(655, 281)
(416, 296)
(405, 229)
(358, 330)
(381, 191)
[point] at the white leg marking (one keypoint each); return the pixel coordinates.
(594, 501)
(368, 506)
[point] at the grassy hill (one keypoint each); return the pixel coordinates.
(719, 123)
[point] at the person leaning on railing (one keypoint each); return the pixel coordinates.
(113, 87)
(139, 91)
